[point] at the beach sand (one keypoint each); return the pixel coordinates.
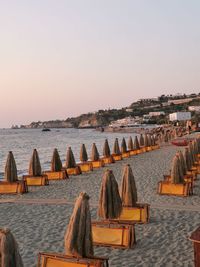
(39, 219)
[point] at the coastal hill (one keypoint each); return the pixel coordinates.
(165, 103)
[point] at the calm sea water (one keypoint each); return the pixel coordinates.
(22, 142)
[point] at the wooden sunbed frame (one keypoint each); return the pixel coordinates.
(74, 171)
(85, 166)
(113, 234)
(108, 160)
(117, 157)
(61, 260)
(187, 178)
(97, 163)
(60, 175)
(167, 188)
(19, 187)
(195, 238)
(126, 155)
(36, 180)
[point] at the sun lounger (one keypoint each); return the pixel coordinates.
(108, 160)
(18, 187)
(126, 155)
(74, 171)
(195, 238)
(60, 175)
(112, 234)
(86, 166)
(117, 157)
(98, 163)
(36, 180)
(133, 152)
(148, 148)
(61, 260)
(187, 178)
(167, 188)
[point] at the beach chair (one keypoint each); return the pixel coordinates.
(113, 234)
(187, 178)
(74, 171)
(195, 238)
(167, 188)
(36, 180)
(133, 152)
(108, 160)
(126, 155)
(61, 260)
(97, 163)
(117, 157)
(58, 175)
(85, 166)
(19, 187)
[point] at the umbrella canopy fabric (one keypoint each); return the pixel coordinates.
(106, 149)
(166, 137)
(95, 153)
(9, 251)
(116, 149)
(123, 146)
(83, 154)
(110, 204)
(187, 157)
(34, 165)
(128, 188)
(70, 160)
(56, 163)
(146, 143)
(78, 237)
(10, 174)
(182, 161)
(176, 171)
(141, 140)
(136, 145)
(130, 143)
(149, 140)
(191, 151)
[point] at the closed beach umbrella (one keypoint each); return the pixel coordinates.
(128, 188)
(123, 146)
(130, 143)
(116, 149)
(176, 171)
(136, 145)
(10, 174)
(106, 149)
(187, 158)
(70, 160)
(191, 151)
(110, 204)
(166, 138)
(149, 140)
(95, 153)
(182, 161)
(78, 237)
(34, 165)
(145, 140)
(141, 140)
(56, 163)
(83, 153)
(9, 251)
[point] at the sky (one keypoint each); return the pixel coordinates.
(60, 59)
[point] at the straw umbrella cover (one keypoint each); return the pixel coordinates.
(70, 160)
(188, 159)
(146, 143)
(34, 165)
(116, 150)
(10, 174)
(130, 143)
(95, 153)
(141, 140)
(110, 204)
(176, 171)
(106, 149)
(56, 163)
(83, 154)
(9, 251)
(136, 145)
(78, 237)
(128, 187)
(123, 146)
(182, 161)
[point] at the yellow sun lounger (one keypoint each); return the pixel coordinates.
(98, 163)
(61, 260)
(86, 166)
(18, 187)
(60, 175)
(36, 180)
(167, 188)
(126, 155)
(74, 171)
(189, 179)
(112, 234)
(117, 157)
(195, 238)
(133, 152)
(108, 160)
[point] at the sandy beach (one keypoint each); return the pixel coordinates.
(39, 219)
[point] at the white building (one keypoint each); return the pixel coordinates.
(194, 108)
(156, 113)
(180, 116)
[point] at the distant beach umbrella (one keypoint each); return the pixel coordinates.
(78, 237)
(95, 153)
(110, 204)
(10, 174)
(9, 251)
(34, 165)
(136, 145)
(70, 160)
(191, 151)
(146, 143)
(116, 149)
(187, 157)
(176, 171)
(130, 143)
(123, 146)
(56, 163)
(106, 149)
(128, 188)
(182, 161)
(83, 154)
(149, 140)
(141, 140)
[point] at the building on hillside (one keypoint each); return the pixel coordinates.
(156, 113)
(194, 108)
(180, 116)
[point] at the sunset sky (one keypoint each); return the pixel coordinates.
(61, 58)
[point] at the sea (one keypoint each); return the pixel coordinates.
(22, 142)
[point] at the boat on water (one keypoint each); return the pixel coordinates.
(46, 130)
